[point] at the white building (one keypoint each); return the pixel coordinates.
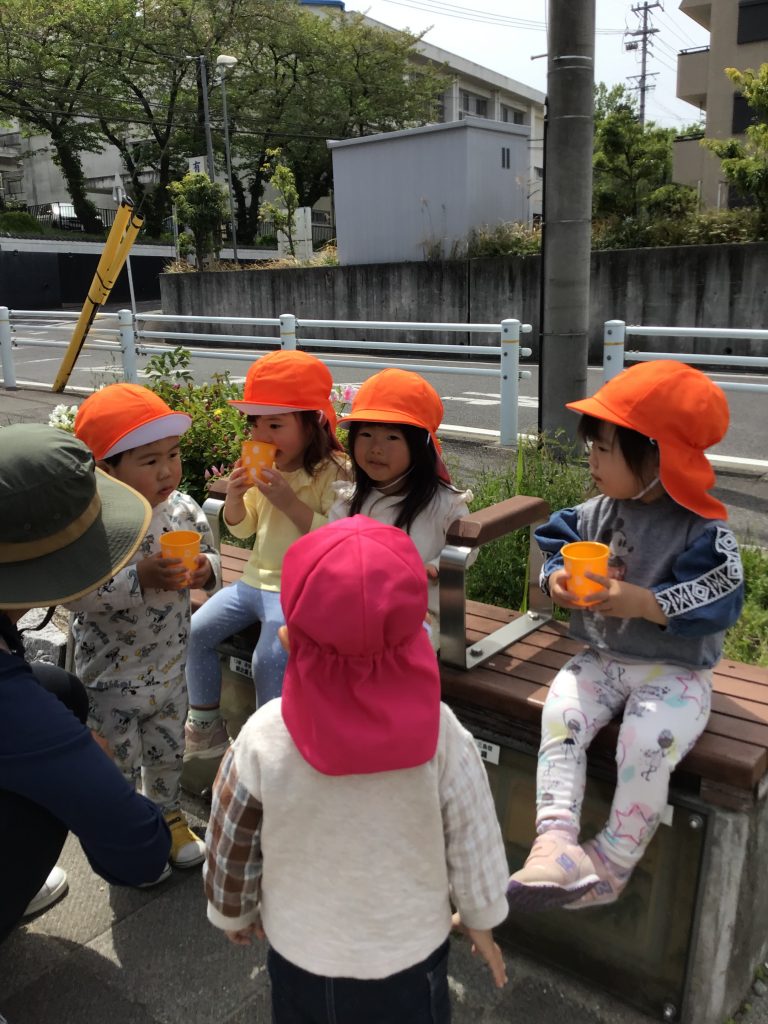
(417, 194)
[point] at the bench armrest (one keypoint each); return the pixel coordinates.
(478, 528)
(464, 537)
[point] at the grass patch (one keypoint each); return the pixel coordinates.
(747, 641)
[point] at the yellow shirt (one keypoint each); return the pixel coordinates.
(274, 530)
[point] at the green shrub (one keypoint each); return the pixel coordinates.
(213, 441)
(19, 222)
(748, 640)
(507, 239)
(499, 576)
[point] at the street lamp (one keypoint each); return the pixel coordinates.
(206, 115)
(224, 63)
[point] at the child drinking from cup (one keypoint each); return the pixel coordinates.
(399, 475)
(654, 627)
(286, 400)
(131, 633)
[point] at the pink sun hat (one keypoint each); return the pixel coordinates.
(361, 692)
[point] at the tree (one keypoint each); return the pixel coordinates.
(745, 162)
(47, 63)
(201, 204)
(280, 177)
(630, 160)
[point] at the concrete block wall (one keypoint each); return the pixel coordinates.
(707, 286)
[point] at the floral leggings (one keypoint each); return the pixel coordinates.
(666, 708)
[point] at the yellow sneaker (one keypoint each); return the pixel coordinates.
(187, 851)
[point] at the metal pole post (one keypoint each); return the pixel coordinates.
(613, 348)
(128, 346)
(568, 213)
(287, 331)
(510, 366)
(229, 164)
(6, 350)
(120, 193)
(206, 118)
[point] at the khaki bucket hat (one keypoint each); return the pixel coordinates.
(67, 527)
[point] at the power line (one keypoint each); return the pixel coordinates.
(482, 17)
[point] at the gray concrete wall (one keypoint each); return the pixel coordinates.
(705, 286)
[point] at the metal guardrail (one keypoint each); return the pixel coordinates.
(131, 341)
(615, 354)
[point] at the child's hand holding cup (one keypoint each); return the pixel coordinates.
(257, 456)
(183, 545)
(581, 557)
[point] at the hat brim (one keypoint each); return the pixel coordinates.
(67, 574)
(267, 410)
(685, 473)
(173, 425)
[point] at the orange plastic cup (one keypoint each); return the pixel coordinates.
(256, 456)
(580, 557)
(183, 544)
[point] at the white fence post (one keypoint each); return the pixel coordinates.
(287, 331)
(128, 346)
(510, 367)
(6, 350)
(614, 333)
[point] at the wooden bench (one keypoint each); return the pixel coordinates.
(683, 941)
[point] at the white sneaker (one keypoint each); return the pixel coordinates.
(52, 889)
(165, 873)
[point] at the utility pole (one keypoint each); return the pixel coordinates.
(644, 33)
(567, 215)
(206, 117)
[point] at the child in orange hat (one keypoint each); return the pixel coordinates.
(654, 628)
(287, 401)
(131, 633)
(399, 475)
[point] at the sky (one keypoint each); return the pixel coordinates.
(504, 34)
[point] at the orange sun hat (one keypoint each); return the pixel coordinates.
(399, 396)
(124, 416)
(683, 411)
(287, 381)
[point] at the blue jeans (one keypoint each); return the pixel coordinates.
(417, 995)
(226, 612)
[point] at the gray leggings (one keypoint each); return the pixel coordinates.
(226, 612)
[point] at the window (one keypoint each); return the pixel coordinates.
(753, 21)
(743, 115)
(471, 103)
(512, 116)
(505, 157)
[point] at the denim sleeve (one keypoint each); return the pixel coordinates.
(706, 589)
(561, 528)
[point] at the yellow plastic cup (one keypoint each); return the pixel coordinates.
(257, 456)
(580, 557)
(183, 544)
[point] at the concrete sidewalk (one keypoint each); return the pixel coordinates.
(149, 956)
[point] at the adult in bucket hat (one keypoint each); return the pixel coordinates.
(67, 527)
(357, 776)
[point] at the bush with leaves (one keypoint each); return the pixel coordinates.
(17, 222)
(213, 441)
(500, 574)
(201, 205)
(508, 239)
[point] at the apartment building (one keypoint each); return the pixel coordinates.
(738, 34)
